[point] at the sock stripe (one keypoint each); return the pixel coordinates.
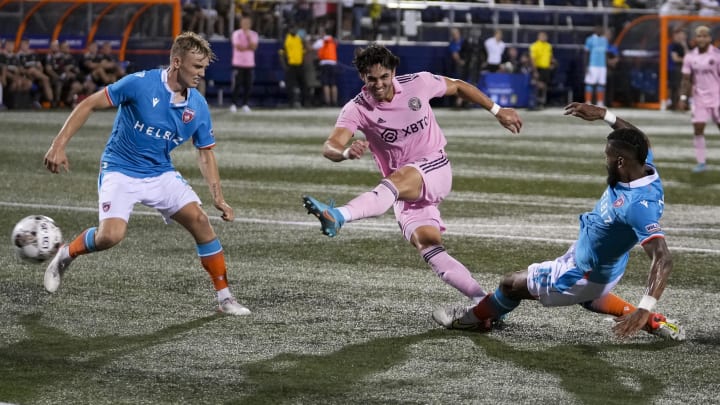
(210, 248)
(432, 253)
(89, 239)
(390, 186)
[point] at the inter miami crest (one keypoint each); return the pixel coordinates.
(188, 115)
(414, 103)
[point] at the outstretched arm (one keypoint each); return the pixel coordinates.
(590, 112)
(657, 280)
(507, 117)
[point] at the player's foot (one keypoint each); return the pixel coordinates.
(461, 318)
(669, 329)
(330, 218)
(233, 108)
(700, 168)
(246, 108)
(55, 270)
(231, 307)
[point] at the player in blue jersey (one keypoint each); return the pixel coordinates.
(157, 111)
(596, 47)
(628, 213)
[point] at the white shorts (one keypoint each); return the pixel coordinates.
(436, 173)
(118, 193)
(560, 283)
(596, 75)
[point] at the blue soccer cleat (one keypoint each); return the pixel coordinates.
(330, 218)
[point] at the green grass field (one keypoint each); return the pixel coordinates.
(347, 320)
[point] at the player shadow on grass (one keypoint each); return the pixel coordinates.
(50, 357)
(582, 369)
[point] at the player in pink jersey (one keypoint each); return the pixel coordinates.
(701, 73)
(394, 114)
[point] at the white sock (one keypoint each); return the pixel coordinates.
(223, 294)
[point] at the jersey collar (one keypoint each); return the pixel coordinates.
(643, 181)
(397, 87)
(164, 79)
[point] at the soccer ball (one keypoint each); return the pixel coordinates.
(36, 238)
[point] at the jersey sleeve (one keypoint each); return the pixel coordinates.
(644, 218)
(435, 85)
(125, 89)
(204, 137)
(349, 117)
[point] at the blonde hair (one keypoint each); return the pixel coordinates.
(703, 29)
(191, 42)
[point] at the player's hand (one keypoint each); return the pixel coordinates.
(509, 119)
(55, 158)
(588, 112)
(628, 324)
(358, 148)
(227, 211)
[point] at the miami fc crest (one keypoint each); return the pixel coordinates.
(188, 115)
(414, 103)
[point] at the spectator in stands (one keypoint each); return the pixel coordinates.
(458, 52)
(709, 8)
(677, 51)
(109, 61)
(63, 71)
(31, 66)
(541, 55)
(326, 48)
(596, 46)
(701, 76)
(613, 72)
(222, 7)
(678, 7)
(292, 56)
(15, 83)
(209, 17)
(244, 43)
(495, 48)
(192, 18)
(94, 68)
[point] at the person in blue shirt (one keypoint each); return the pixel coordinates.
(157, 111)
(627, 213)
(596, 46)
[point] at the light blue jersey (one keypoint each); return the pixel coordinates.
(597, 46)
(148, 125)
(625, 215)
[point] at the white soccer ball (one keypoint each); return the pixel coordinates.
(36, 238)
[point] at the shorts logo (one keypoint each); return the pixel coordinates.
(619, 202)
(414, 104)
(188, 115)
(652, 228)
(106, 206)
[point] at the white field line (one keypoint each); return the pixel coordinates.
(381, 227)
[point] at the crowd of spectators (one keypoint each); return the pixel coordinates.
(57, 78)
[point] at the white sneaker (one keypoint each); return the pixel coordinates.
(231, 307)
(233, 108)
(460, 318)
(55, 270)
(246, 109)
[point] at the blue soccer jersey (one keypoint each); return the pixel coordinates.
(597, 46)
(625, 215)
(148, 125)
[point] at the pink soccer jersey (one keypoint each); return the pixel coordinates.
(400, 131)
(705, 68)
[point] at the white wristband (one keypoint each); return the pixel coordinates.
(683, 97)
(609, 117)
(647, 302)
(494, 109)
(346, 153)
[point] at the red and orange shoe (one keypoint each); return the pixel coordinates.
(669, 329)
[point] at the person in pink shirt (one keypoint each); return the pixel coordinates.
(701, 74)
(401, 132)
(244, 44)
